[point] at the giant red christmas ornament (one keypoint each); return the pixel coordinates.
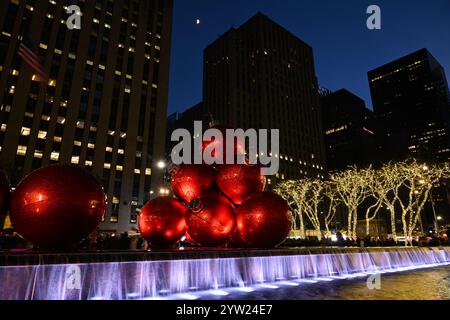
(218, 148)
(57, 206)
(238, 182)
(5, 195)
(211, 220)
(162, 222)
(235, 240)
(264, 220)
(191, 181)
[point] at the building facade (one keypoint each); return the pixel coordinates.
(351, 137)
(104, 105)
(411, 100)
(263, 77)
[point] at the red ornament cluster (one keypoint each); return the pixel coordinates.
(217, 206)
(57, 206)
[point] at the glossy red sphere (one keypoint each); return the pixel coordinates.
(211, 221)
(238, 182)
(162, 222)
(191, 181)
(189, 238)
(264, 220)
(57, 206)
(218, 148)
(235, 240)
(5, 196)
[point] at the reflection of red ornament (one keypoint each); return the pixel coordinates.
(238, 182)
(191, 181)
(57, 206)
(162, 221)
(219, 147)
(211, 220)
(264, 220)
(5, 196)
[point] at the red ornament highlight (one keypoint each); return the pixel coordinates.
(5, 197)
(162, 222)
(264, 220)
(57, 206)
(219, 147)
(238, 182)
(211, 220)
(191, 181)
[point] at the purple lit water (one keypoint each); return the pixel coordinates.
(220, 277)
(426, 284)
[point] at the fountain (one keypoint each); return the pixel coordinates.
(182, 274)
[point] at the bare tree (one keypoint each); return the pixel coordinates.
(385, 186)
(312, 203)
(295, 193)
(403, 187)
(331, 203)
(417, 180)
(352, 190)
(372, 210)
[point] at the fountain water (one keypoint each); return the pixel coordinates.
(182, 278)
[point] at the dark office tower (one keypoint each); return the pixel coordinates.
(104, 105)
(185, 120)
(350, 133)
(261, 76)
(410, 98)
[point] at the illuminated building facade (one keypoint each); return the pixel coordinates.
(263, 77)
(411, 99)
(104, 105)
(350, 133)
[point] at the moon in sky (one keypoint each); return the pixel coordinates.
(198, 21)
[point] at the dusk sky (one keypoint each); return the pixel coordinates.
(344, 49)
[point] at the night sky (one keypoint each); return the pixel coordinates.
(344, 49)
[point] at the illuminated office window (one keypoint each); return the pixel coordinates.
(75, 160)
(21, 150)
(25, 131)
(54, 156)
(38, 154)
(42, 135)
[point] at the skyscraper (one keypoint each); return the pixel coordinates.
(350, 133)
(263, 77)
(104, 105)
(411, 99)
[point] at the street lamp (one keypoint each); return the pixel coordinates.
(164, 191)
(161, 164)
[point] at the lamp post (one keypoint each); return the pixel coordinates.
(438, 218)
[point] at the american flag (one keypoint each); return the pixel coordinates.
(31, 59)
